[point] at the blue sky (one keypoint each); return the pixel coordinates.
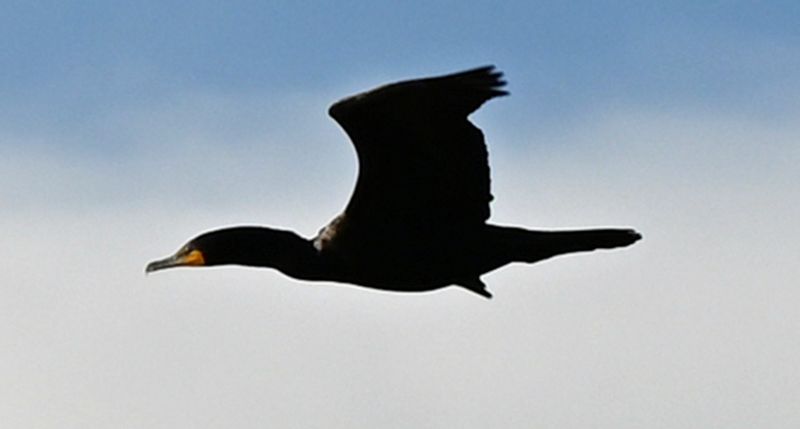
(572, 55)
(127, 128)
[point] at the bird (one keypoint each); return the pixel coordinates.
(417, 219)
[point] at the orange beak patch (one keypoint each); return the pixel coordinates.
(193, 258)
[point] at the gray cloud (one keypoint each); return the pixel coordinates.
(694, 326)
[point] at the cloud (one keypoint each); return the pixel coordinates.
(693, 324)
(200, 150)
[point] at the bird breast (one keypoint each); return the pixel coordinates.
(326, 239)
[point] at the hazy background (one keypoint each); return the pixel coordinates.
(127, 128)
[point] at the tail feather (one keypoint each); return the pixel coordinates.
(532, 246)
(579, 241)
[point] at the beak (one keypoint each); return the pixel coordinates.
(192, 258)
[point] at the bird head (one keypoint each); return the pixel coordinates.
(243, 245)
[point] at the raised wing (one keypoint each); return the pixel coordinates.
(421, 162)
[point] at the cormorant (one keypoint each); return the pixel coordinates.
(417, 218)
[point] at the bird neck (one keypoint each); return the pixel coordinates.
(284, 251)
(296, 257)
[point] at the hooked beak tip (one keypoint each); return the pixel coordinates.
(158, 265)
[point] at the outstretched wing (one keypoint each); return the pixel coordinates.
(421, 162)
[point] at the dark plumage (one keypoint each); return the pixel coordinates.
(417, 218)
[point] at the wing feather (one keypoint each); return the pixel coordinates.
(421, 162)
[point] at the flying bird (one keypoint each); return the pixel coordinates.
(417, 218)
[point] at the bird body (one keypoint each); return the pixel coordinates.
(417, 218)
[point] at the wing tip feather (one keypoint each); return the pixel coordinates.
(485, 81)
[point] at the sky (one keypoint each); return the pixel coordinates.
(128, 128)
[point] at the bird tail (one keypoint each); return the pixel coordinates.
(532, 246)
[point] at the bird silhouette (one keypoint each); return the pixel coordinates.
(417, 219)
